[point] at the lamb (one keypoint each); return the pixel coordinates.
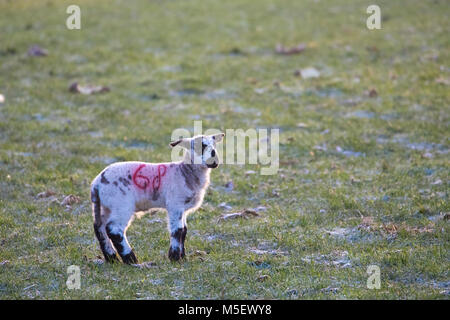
(124, 188)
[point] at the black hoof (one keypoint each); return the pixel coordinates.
(130, 258)
(174, 254)
(111, 258)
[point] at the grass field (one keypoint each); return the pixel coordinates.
(364, 162)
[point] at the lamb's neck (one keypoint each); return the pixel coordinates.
(197, 173)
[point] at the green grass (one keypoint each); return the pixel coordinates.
(387, 200)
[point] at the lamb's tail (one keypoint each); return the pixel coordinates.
(95, 204)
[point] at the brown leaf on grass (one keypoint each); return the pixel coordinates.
(246, 213)
(88, 89)
(36, 51)
(45, 194)
(263, 277)
(372, 93)
(70, 199)
(280, 49)
(442, 80)
(199, 253)
(367, 223)
(390, 228)
(416, 230)
(393, 229)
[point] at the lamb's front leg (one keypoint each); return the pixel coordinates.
(177, 231)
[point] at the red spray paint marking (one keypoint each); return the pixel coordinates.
(143, 181)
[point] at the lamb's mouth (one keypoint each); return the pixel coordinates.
(213, 165)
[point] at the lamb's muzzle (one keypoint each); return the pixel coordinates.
(124, 188)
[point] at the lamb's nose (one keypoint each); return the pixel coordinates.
(213, 153)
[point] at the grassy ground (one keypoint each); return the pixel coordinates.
(363, 178)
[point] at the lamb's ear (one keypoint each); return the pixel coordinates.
(218, 137)
(185, 143)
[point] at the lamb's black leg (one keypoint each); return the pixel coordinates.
(108, 252)
(175, 244)
(119, 240)
(183, 238)
(99, 229)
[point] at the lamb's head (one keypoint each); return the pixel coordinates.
(201, 149)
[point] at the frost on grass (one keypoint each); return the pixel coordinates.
(266, 247)
(339, 259)
(353, 235)
(145, 265)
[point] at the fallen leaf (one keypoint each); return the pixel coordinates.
(224, 206)
(280, 49)
(372, 93)
(442, 80)
(390, 228)
(246, 213)
(263, 277)
(89, 89)
(45, 194)
(70, 199)
(199, 253)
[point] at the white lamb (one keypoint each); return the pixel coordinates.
(124, 188)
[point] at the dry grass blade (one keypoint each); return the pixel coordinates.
(246, 213)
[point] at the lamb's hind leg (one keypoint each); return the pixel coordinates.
(99, 228)
(183, 236)
(105, 244)
(116, 229)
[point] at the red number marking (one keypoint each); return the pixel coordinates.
(142, 181)
(157, 179)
